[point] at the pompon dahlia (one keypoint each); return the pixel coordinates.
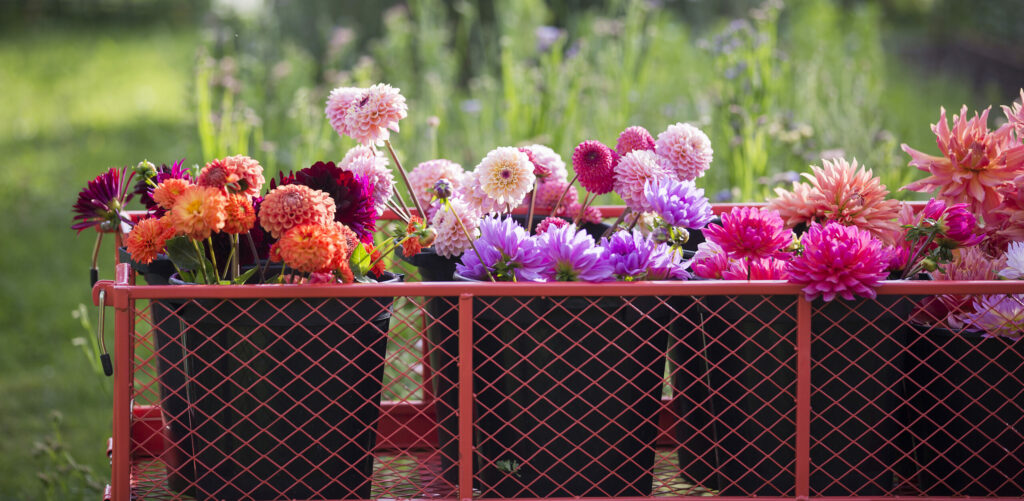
(710, 261)
(633, 173)
(451, 240)
(308, 248)
(999, 316)
(750, 232)
(102, 200)
(198, 212)
(236, 174)
(838, 260)
(239, 215)
(338, 103)
(505, 250)
(974, 162)
(372, 164)
(168, 191)
(506, 175)
(378, 109)
(293, 205)
(594, 166)
(685, 150)
(547, 160)
(853, 196)
(794, 207)
(550, 222)
(679, 203)
(569, 254)
(634, 138)
(548, 192)
(352, 195)
(148, 239)
(759, 269)
(427, 174)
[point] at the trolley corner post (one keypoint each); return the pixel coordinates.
(466, 397)
(803, 398)
(122, 415)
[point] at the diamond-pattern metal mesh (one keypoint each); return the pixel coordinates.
(668, 395)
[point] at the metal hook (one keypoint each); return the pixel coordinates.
(108, 367)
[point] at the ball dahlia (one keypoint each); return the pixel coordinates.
(198, 212)
(750, 232)
(633, 173)
(451, 240)
(372, 164)
(685, 150)
(378, 109)
(506, 175)
(338, 103)
(550, 222)
(547, 160)
(293, 205)
(594, 165)
(838, 260)
(309, 248)
(634, 138)
(235, 174)
(426, 175)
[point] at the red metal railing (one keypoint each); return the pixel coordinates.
(618, 390)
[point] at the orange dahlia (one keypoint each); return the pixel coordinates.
(293, 205)
(167, 192)
(147, 239)
(240, 215)
(236, 174)
(198, 212)
(308, 248)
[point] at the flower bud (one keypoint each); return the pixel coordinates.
(145, 168)
(661, 235)
(427, 236)
(443, 189)
(928, 264)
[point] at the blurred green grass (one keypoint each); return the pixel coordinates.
(75, 101)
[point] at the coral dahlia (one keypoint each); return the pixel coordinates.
(239, 215)
(838, 260)
(148, 238)
(198, 212)
(234, 174)
(685, 150)
(308, 248)
(168, 191)
(293, 205)
(853, 196)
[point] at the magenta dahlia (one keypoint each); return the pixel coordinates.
(102, 201)
(751, 232)
(352, 195)
(634, 138)
(594, 164)
(838, 260)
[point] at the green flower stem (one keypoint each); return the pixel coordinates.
(554, 210)
(405, 179)
(533, 202)
(622, 217)
(213, 257)
(202, 261)
(472, 245)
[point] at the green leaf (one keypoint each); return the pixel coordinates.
(241, 279)
(183, 253)
(187, 276)
(360, 261)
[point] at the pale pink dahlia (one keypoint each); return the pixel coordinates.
(751, 232)
(378, 109)
(546, 159)
(427, 174)
(237, 174)
(974, 162)
(372, 164)
(838, 260)
(292, 205)
(594, 165)
(473, 193)
(999, 316)
(1015, 115)
(794, 206)
(759, 269)
(451, 240)
(338, 103)
(634, 138)
(506, 175)
(685, 150)
(632, 174)
(853, 196)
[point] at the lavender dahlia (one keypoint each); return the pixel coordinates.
(679, 203)
(505, 250)
(999, 316)
(635, 257)
(570, 255)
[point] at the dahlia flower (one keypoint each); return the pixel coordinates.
(852, 196)
(679, 203)
(636, 257)
(338, 103)
(506, 175)
(236, 174)
(969, 263)
(794, 207)
(425, 176)
(1015, 116)
(308, 248)
(473, 193)
(378, 109)
(144, 189)
(958, 227)
(590, 214)
(999, 316)
(239, 215)
(548, 191)
(684, 150)
(1014, 269)
(634, 138)
(570, 255)
(755, 269)
(710, 261)
(973, 162)
(198, 212)
(293, 205)
(352, 196)
(594, 166)
(750, 232)
(372, 164)
(545, 159)
(168, 191)
(549, 223)
(148, 238)
(633, 173)
(838, 260)
(505, 250)
(102, 200)
(451, 240)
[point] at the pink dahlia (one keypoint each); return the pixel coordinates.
(634, 138)
(759, 269)
(969, 263)
(546, 159)
(550, 222)
(710, 261)
(590, 214)
(426, 175)
(451, 240)
(236, 174)
(293, 205)
(974, 162)
(685, 150)
(371, 163)
(506, 175)
(751, 232)
(378, 109)
(633, 173)
(959, 227)
(794, 206)
(838, 260)
(1015, 116)
(999, 316)
(338, 103)
(548, 192)
(594, 166)
(478, 199)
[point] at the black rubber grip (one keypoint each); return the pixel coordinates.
(108, 368)
(94, 276)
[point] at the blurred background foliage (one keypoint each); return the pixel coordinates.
(88, 84)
